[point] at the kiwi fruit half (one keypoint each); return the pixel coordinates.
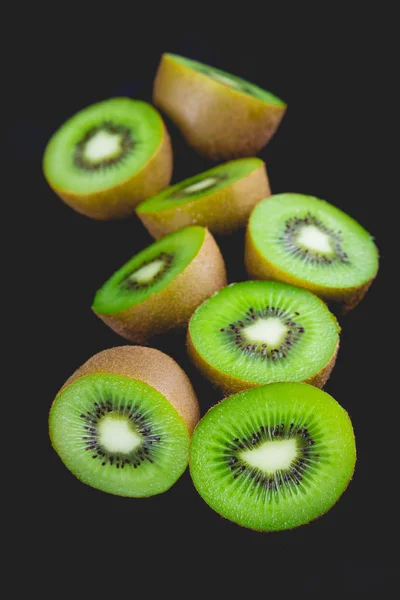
(221, 199)
(220, 115)
(159, 288)
(122, 422)
(109, 157)
(274, 457)
(257, 332)
(312, 244)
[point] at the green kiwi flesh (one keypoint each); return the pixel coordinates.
(149, 271)
(102, 145)
(313, 241)
(119, 435)
(259, 332)
(200, 185)
(274, 457)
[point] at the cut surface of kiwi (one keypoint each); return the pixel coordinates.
(257, 332)
(108, 157)
(122, 422)
(222, 116)
(159, 288)
(311, 243)
(274, 457)
(220, 199)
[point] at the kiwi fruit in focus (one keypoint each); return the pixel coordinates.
(258, 332)
(109, 157)
(310, 243)
(160, 287)
(274, 457)
(220, 115)
(122, 422)
(220, 199)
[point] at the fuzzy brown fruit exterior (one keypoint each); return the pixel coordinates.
(150, 366)
(232, 385)
(172, 307)
(259, 267)
(223, 212)
(119, 201)
(217, 121)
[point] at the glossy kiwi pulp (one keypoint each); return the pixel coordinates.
(122, 422)
(310, 243)
(259, 332)
(149, 272)
(274, 457)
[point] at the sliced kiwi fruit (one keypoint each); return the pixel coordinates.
(312, 244)
(109, 157)
(220, 115)
(221, 199)
(122, 422)
(273, 457)
(258, 332)
(159, 288)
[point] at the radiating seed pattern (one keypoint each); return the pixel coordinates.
(127, 145)
(289, 240)
(128, 284)
(144, 453)
(290, 320)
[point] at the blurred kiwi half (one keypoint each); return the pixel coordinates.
(159, 288)
(220, 115)
(109, 157)
(220, 199)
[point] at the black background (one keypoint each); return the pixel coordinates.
(322, 68)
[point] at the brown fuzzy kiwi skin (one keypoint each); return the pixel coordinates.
(273, 531)
(172, 307)
(119, 201)
(259, 267)
(216, 120)
(150, 366)
(223, 212)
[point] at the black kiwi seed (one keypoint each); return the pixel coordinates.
(293, 475)
(134, 458)
(289, 240)
(235, 333)
(127, 145)
(128, 284)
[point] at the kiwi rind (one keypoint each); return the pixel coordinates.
(172, 307)
(239, 395)
(223, 211)
(150, 366)
(342, 300)
(119, 201)
(218, 121)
